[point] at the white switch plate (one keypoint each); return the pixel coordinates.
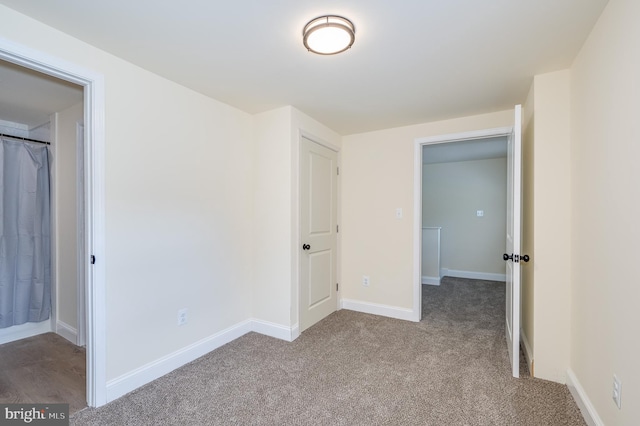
(182, 317)
(479, 213)
(365, 280)
(399, 213)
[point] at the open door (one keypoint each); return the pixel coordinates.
(512, 255)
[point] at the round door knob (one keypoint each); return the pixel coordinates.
(507, 257)
(525, 258)
(306, 247)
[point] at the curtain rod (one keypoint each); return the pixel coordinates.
(24, 139)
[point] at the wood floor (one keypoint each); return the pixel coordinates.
(43, 369)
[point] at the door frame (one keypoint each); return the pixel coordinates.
(81, 304)
(94, 210)
(419, 143)
(297, 232)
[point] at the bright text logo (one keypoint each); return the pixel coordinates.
(34, 414)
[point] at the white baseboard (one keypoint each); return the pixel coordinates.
(378, 309)
(275, 330)
(140, 376)
(431, 280)
(295, 331)
(472, 275)
(22, 331)
(528, 353)
(584, 403)
(65, 330)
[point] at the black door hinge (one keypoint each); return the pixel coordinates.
(337, 285)
(93, 260)
(338, 170)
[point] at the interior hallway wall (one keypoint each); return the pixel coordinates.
(527, 274)
(451, 195)
(546, 282)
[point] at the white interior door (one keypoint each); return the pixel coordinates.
(512, 256)
(318, 221)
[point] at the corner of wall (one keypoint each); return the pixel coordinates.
(581, 398)
(271, 294)
(528, 229)
(550, 211)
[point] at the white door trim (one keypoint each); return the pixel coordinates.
(81, 336)
(417, 200)
(94, 106)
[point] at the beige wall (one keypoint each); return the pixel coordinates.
(546, 282)
(65, 168)
(528, 245)
(377, 178)
(179, 197)
(451, 195)
(272, 217)
(605, 179)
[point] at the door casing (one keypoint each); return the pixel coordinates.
(417, 200)
(94, 211)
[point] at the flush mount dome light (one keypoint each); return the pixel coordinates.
(328, 35)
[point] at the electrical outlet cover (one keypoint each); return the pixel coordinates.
(616, 395)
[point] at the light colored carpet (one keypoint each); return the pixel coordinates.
(358, 369)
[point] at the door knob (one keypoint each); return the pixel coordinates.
(306, 247)
(516, 258)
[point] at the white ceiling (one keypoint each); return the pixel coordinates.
(478, 149)
(29, 97)
(413, 61)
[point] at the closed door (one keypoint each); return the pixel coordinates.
(318, 231)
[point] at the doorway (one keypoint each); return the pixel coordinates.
(93, 114)
(464, 207)
(513, 135)
(46, 112)
(419, 147)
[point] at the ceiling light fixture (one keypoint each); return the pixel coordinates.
(328, 35)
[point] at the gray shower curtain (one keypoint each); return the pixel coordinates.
(25, 226)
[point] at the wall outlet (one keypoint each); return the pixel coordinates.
(616, 391)
(479, 213)
(365, 280)
(182, 316)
